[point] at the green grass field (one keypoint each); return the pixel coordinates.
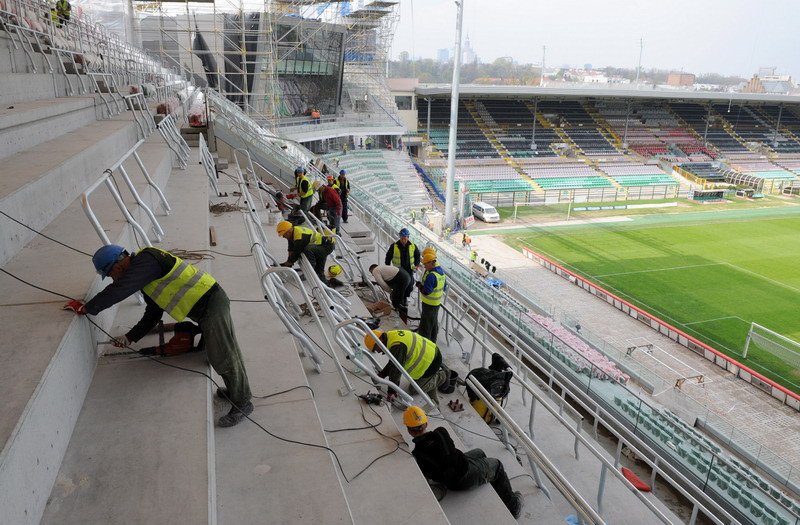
(708, 274)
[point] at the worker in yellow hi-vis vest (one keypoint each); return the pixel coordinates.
(431, 289)
(170, 284)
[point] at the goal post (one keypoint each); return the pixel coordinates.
(773, 343)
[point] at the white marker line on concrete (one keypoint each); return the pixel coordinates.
(660, 269)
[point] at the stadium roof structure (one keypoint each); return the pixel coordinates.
(482, 91)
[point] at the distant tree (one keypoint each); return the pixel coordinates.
(404, 56)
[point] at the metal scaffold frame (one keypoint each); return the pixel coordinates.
(238, 45)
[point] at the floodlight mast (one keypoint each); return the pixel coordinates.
(451, 147)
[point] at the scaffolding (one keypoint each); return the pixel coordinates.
(279, 59)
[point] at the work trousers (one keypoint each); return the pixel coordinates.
(480, 470)
(429, 322)
(334, 220)
(410, 287)
(305, 203)
(222, 348)
(399, 284)
(431, 384)
(344, 207)
(317, 255)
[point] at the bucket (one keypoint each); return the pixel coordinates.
(449, 386)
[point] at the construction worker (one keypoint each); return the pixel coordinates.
(344, 148)
(333, 272)
(440, 461)
(343, 186)
(431, 290)
(64, 10)
(303, 189)
(329, 199)
(402, 254)
(413, 216)
(419, 357)
(182, 290)
(394, 281)
(368, 142)
(315, 116)
(474, 256)
(305, 241)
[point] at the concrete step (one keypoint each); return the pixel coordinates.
(40, 182)
(25, 125)
(259, 477)
(49, 355)
(16, 88)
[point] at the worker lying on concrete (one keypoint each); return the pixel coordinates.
(420, 358)
(440, 461)
(182, 290)
(305, 241)
(394, 281)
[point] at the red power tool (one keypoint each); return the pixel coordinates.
(181, 342)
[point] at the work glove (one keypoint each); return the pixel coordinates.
(75, 306)
(121, 341)
(391, 395)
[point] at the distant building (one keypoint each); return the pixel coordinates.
(468, 55)
(680, 79)
(443, 56)
(775, 84)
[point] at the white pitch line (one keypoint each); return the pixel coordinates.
(717, 319)
(783, 285)
(660, 269)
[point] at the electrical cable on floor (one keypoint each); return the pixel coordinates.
(45, 236)
(219, 388)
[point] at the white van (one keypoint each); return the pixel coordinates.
(485, 212)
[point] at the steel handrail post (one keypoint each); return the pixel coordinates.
(128, 182)
(164, 204)
(293, 274)
(118, 198)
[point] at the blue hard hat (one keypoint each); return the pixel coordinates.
(104, 258)
(299, 169)
(404, 232)
(342, 172)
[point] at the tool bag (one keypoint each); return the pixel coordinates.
(496, 380)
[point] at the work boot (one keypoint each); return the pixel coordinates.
(235, 415)
(516, 505)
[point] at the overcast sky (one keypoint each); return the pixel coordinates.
(700, 36)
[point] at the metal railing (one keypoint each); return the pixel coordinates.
(209, 166)
(108, 179)
(169, 132)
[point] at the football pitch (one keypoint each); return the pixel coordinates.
(708, 274)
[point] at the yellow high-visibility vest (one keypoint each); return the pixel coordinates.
(310, 191)
(420, 352)
(396, 254)
(299, 231)
(180, 289)
(435, 297)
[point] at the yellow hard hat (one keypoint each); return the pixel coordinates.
(316, 184)
(428, 257)
(414, 417)
(334, 270)
(283, 227)
(369, 339)
(428, 250)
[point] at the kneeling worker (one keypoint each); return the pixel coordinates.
(170, 283)
(305, 241)
(419, 357)
(394, 281)
(440, 460)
